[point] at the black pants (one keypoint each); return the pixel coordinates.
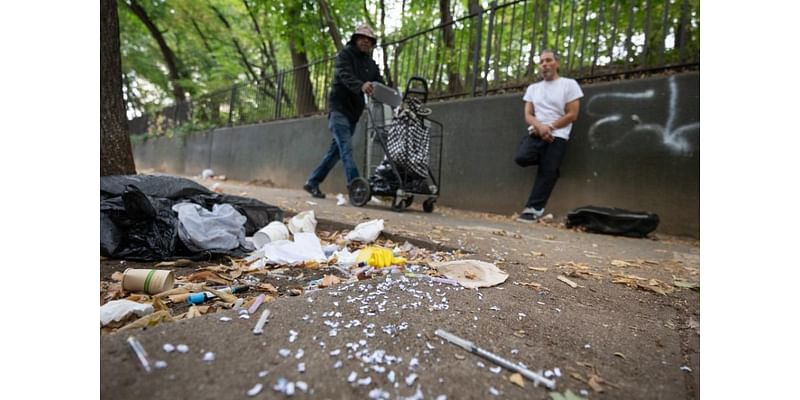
(534, 151)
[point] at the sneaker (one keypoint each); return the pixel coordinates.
(530, 215)
(314, 190)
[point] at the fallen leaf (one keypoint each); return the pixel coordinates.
(537, 254)
(564, 279)
(199, 276)
(225, 297)
(540, 269)
(193, 312)
(295, 291)
(620, 355)
(117, 276)
(594, 382)
(171, 292)
(623, 264)
(683, 283)
(329, 280)
(516, 379)
(532, 285)
(519, 333)
(165, 264)
(148, 321)
(470, 275)
(267, 287)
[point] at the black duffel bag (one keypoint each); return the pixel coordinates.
(613, 221)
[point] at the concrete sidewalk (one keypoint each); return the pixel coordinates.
(625, 331)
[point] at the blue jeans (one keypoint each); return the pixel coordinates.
(342, 131)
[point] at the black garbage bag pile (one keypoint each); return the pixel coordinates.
(613, 221)
(137, 221)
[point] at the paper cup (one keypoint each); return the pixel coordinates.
(276, 230)
(150, 281)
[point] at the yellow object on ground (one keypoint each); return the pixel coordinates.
(379, 257)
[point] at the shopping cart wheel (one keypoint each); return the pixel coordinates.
(398, 204)
(360, 192)
(427, 205)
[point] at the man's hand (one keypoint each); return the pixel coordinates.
(367, 88)
(545, 132)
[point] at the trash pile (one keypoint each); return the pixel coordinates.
(290, 259)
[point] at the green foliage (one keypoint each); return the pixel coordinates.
(220, 43)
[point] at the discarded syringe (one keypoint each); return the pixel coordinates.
(141, 355)
(469, 346)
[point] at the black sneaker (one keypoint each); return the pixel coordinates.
(314, 190)
(528, 218)
(530, 214)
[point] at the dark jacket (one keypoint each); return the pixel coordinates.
(351, 70)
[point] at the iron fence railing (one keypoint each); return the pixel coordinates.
(493, 49)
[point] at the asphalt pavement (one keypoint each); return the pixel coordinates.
(601, 316)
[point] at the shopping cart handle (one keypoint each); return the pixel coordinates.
(423, 91)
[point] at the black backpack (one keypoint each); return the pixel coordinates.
(613, 221)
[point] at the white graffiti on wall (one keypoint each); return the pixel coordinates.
(674, 138)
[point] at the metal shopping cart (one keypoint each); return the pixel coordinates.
(404, 148)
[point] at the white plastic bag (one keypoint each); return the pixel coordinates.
(117, 310)
(306, 247)
(303, 222)
(222, 228)
(366, 232)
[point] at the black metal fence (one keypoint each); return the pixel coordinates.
(490, 50)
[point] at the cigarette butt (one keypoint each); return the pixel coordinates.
(259, 329)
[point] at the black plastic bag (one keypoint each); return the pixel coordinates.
(137, 221)
(613, 221)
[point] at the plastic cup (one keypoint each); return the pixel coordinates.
(276, 230)
(150, 281)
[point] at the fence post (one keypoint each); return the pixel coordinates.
(231, 105)
(493, 10)
(278, 93)
(477, 54)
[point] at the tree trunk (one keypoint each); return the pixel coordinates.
(304, 93)
(453, 78)
(116, 156)
(333, 30)
(169, 57)
(474, 8)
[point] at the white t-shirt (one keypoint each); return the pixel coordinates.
(549, 99)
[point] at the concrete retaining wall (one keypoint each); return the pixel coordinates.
(636, 145)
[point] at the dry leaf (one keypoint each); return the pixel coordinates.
(148, 321)
(193, 312)
(266, 287)
(329, 280)
(225, 297)
(594, 382)
(623, 264)
(171, 292)
(564, 279)
(295, 291)
(158, 305)
(532, 285)
(519, 333)
(199, 276)
(540, 269)
(618, 354)
(537, 254)
(117, 276)
(516, 379)
(470, 275)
